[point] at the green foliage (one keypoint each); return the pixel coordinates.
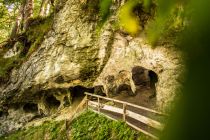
(37, 5)
(190, 119)
(38, 27)
(147, 4)
(48, 130)
(128, 20)
(105, 9)
(90, 125)
(7, 18)
(166, 26)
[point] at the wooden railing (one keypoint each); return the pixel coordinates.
(125, 112)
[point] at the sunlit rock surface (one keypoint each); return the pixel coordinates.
(76, 52)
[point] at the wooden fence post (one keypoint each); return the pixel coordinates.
(124, 112)
(87, 102)
(98, 104)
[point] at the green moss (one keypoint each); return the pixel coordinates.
(97, 11)
(31, 40)
(90, 125)
(38, 27)
(48, 130)
(6, 65)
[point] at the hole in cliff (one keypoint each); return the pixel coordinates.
(52, 102)
(153, 80)
(30, 107)
(1, 113)
(144, 80)
(140, 76)
(78, 91)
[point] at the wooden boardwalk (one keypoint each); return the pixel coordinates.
(138, 117)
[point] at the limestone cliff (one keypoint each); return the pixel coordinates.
(76, 52)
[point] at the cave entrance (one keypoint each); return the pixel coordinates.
(30, 108)
(77, 92)
(144, 80)
(52, 102)
(153, 80)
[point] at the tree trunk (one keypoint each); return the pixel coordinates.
(28, 12)
(43, 7)
(47, 9)
(17, 28)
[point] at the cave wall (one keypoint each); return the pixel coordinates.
(165, 61)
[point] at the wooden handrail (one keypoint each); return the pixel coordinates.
(130, 104)
(138, 117)
(99, 106)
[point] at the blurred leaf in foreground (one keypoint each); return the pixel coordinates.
(128, 20)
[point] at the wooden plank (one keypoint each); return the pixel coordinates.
(130, 104)
(145, 120)
(106, 107)
(143, 131)
(112, 109)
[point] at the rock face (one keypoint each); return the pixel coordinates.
(76, 53)
(165, 61)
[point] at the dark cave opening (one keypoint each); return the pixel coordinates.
(52, 102)
(1, 114)
(140, 76)
(153, 80)
(30, 107)
(144, 79)
(78, 91)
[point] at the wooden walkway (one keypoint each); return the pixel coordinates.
(133, 115)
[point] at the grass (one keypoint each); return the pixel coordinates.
(48, 130)
(92, 126)
(87, 126)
